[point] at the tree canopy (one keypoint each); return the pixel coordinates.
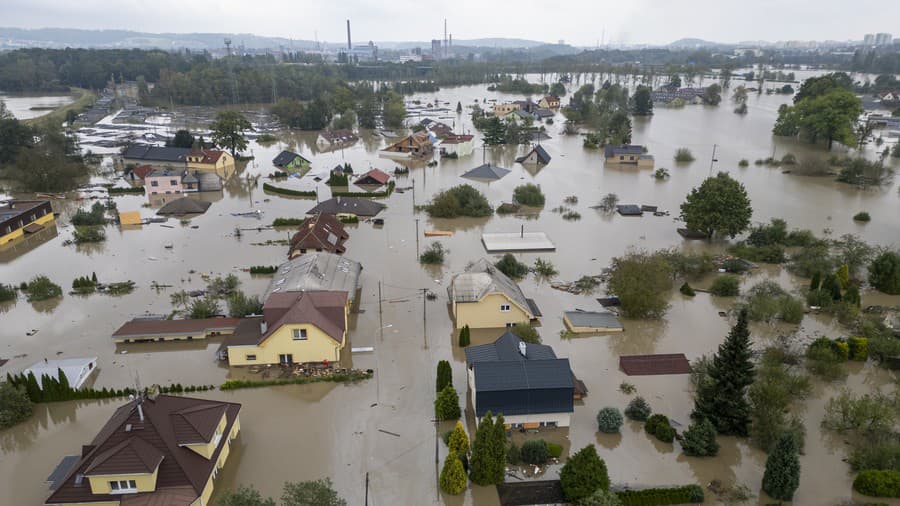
(825, 107)
(719, 206)
(228, 131)
(583, 474)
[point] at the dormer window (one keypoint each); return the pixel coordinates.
(123, 487)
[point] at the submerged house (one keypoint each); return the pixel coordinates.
(628, 155)
(330, 139)
(457, 145)
(169, 158)
(315, 272)
(484, 297)
(291, 162)
(549, 102)
(537, 156)
(322, 232)
(525, 382)
(20, 217)
(158, 329)
(375, 177)
(154, 450)
(77, 370)
(348, 206)
(417, 145)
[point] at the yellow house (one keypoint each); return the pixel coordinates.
(484, 297)
(211, 160)
(20, 217)
(156, 449)
(501, 110)
(296, 327)
(549, 102)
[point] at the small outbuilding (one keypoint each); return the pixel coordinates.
(487, 172)
(184, 206)
(290, 161)
(629, 210)
(77, 370)
(592, 321)
(375, 177)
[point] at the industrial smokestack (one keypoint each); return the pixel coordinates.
(349, 43)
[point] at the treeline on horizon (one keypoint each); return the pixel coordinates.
(187, 78)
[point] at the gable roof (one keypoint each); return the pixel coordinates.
(316, 272)
(506, 348)
(185, 205)
(128, 444)
(142, 327)
(196, 424)
(209, 156)
(322, 231)
(286, 157)
(481, 278)
(542, 156)
(333, 136)
(538, 374)
(457, 139)
(142, 171)
(324, 309)
(155, 153)
(625, 149)
(350, 205)
(486, 171)
(376, 176)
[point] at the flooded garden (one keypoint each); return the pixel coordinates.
(381, 431)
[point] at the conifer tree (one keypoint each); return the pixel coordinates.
(723, 399)
(453, 476)
(446, 405)
(465, 336)
(498, 450)
(480, 463)
(583, 474)
(32, 388)
(782, 475)
(700, 439)
(459, 441)
(63, 382)
(444, 375)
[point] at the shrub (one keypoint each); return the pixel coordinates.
(700, 440)
(526, 333)
(446, 405)
(825, 363)
(601, 498)
(535, 452)
(692, 494)
(511, 267)
(544, 268)
(884, 272)
(465, 336)
(658, 425)
(287, 222)
(83, 235)
(792, 310)
(878, 483)
(433, 255)
(583, 474)
(529, 195)
(7, 293)
(15, 405)
(684, 155)
(286, 191)
(665, 433)
(240, 305)
(444, 375)
(862, 216)
(453, 475)
(554, 450)
(462, 200)
(687, 290)
(41, 288)
(571, 215)
(638, 409)
(627, 388)
(609, 420)
(513, 454)
(204, 308)
(458, 441)
(743, 163)
(858, 348)
(782, 474)
(884, 455)
(337, 179)
(869, 414)
(96, 216)
(263, 269)
(726, 286)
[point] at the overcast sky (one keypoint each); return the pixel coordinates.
(578, 22)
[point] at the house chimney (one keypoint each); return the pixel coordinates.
(140, 409)
(263, 327)
(522, 348)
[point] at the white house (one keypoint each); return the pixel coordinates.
(77, 370)
(460, 145)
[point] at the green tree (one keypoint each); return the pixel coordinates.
(15, 404)
(453, 476)
(723, 398)
(526, 332)
(642, 102)
(311, 493)
(486, 467)
(884, 272)
(712, 95)
(782, 475)
(394, 111)
(557, 89)
(182, 139)
(609, 420)
(638, 409)
(822, 110)
(529, 194)
(241, 305)
(459, 441)
(700, 439)
(642, 281)
(461, 200)
(493, 131)
(444, 375)
(720, 206)
(509, 265)
(446, 405)
(244, 496)
(601, 498)
(228, 131)
(206, 307)
(51, 164)
(465, 336)
(583, 474)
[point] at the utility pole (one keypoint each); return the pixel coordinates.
(414, 194)
(380, 319)
(425, 316)
(367, 488)
(713, 159)
(417, 237)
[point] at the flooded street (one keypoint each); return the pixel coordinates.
(294, 433)
(27, 106)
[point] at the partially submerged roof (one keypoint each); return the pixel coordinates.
(316, 271)
(516, 241)
(624, 149)
(540, 154)
(286, 157)
(146, 328)
(320, 232)
(486, 172)
(593, 319)
(184, 205)
(507, 347)
(481, 278)
(522, 375)
(643, 365)
(349, 205)
(156, 153)
(374, 176)
(75, 369)
(323, 309)
(629, 210)
(134, 441)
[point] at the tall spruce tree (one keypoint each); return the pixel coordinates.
(723, 399)
(583, 474)
(444, 375)
(498, 450)
(782, 476)
(481, 465)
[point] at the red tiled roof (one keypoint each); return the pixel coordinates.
(181, 471)
(457, 139)
(320, 232)
(642, 365)
(210, 156)
(378, 176)
(324, 309)
(142, 171)
(150, 328)
(131, 456)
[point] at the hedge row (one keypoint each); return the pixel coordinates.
(287, 222)
(130, 189)
(877, 483)
(688, 494)
(284, 191)
(263, 269)
(349, 377)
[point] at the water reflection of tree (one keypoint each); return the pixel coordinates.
(46, 306)
(721, 467)
(639, 338)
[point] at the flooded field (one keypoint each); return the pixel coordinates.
(297, 433)
(27, 106)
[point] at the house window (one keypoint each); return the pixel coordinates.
(622, 158)
(299, 334)
(504, 308)
(173, 182)
(154, 183)
(250, 357)
(123, 487)
(631, 158)
(509, 325)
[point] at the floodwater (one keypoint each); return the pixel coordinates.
(383, 427)
(27, 106)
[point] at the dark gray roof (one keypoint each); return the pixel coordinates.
(627, 149)
(486, 171)
(352, 205)
(542, 156)
(155, 153)
(629, 210)
(594, 319)
(522, 375)
(286, 157)
(184, 205)
(506, 348)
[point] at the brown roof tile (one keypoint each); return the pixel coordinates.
(642, 365)
(131, 456)
(320, 232)
(138, 328)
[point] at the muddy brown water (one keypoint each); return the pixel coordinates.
(306, 432)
